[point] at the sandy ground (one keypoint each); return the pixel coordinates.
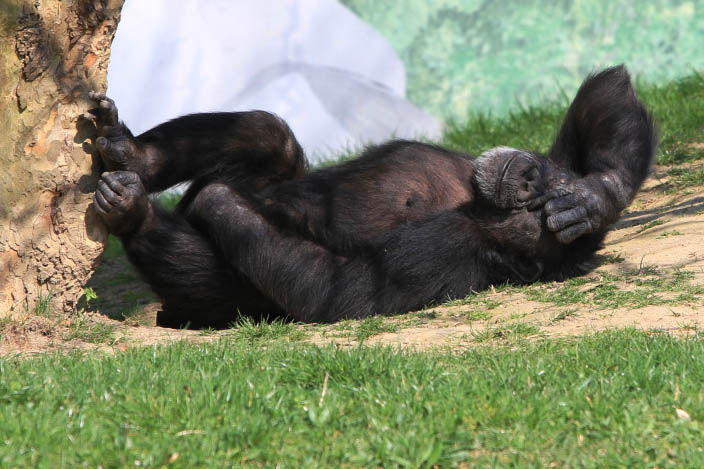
(659, 236)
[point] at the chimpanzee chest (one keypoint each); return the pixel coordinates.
(378, 206)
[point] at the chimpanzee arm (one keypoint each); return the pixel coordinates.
(244, 145)
(608, 140)
(446, 256)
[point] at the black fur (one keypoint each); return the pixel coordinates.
(403, 226)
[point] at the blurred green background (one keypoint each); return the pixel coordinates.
(488, 56)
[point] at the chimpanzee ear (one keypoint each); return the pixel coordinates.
(604, 118)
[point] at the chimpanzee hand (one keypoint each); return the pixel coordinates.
(115, 142)
(122, 202)
(575, 210)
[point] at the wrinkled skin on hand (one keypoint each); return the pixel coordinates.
(121, 200)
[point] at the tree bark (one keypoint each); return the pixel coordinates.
(52, 53)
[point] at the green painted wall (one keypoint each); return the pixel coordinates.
(484, 55)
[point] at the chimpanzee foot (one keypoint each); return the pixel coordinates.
(122, 202)
(115, 142)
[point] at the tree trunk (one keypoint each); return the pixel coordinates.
(52, 53)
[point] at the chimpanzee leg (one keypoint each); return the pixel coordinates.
(608, 141)
(197, 287)
(246, 149)
(442, 257)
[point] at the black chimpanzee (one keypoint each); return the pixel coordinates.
(403, 226)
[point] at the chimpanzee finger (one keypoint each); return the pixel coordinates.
(123, 177)
(119, 180)
(114, 185)
(106, 110)
(109, 111)
(538, 202)
(562, 220)
(109, 194)
(561, 204)
(100, 97)
(101, 202)
(98, 207)
(571, 233)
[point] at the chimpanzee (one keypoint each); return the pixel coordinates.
(403, 226)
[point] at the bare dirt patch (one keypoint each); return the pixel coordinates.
(651, 278)
(93, 331)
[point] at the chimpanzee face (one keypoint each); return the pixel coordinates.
(513, 179)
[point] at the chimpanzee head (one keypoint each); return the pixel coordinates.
(511, 179)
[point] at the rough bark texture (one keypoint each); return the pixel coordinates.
(52, 53)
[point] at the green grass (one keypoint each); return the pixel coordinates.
(478, 315)
(677, 106)
(372, 326)
(263, 331)
(531, 128)
(632, 289)
(564, 314)
(681, 178)
(83, 328)
(611, 258)
(480, 299)
(113, 248)
(666, 234)
(480, 303)
(651, 224)
(506, 333)
(619, 399)
(426, 315)
(44, 307)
